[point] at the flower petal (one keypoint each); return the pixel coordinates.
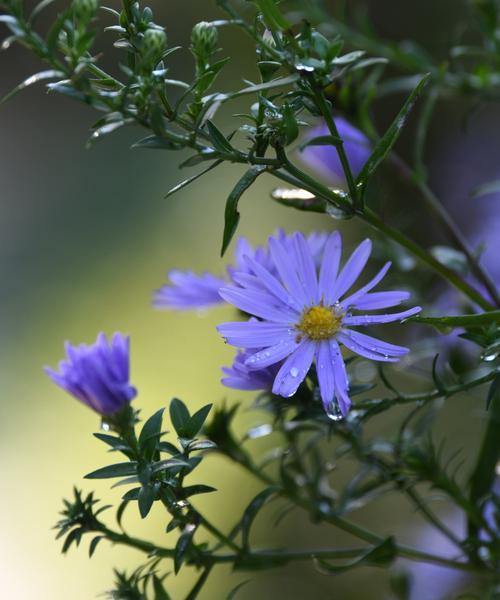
(330, 267)
(270, 282)
(286, 270)
(374, 319)
(272, 354)
(358, 348)
(294, 370)
(352, 269)
(259, 303)
(341, 381)
(306, 268)
(254, 334)
(349, 301)
(374, 344)
(324, 369)
(378, 300)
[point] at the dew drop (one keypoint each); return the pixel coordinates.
(105, 426)
(294, 372)
(333, 411)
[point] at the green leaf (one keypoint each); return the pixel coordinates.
(484, 473)
(192, 490)
(202, 445)
(475, 320)
(115, 442)
(322, 140)
(156, 142)
(236, 589)
(116, 470)
(218, 139)
(93, 544)
(391, 135)
(252, 510)
(170, 463)
(190, 180)
(179, 415)
(146, 499)
(492, 187)
(182, 545)
(159, 590)
(379, 556)
(231, 214)
(196, 422)
(42, 76)
(150, 433)
(299, 199)
(272, 15)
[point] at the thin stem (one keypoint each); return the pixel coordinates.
(451, 227)
(330, 122)
(200, 582)
(432, 518)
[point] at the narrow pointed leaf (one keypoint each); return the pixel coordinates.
(42, 76)
(117, 470)
(252, 510)
(231, 215)
(390, 137)
(190, 180)
(179, 415)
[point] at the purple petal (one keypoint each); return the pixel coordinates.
(340, 376)
(258, 303)
(254, 334)
(374, 344)
(286, 271)
(330, 267)
(348, 340)
(374, 319)
(324, 369)
(271, 283)
(349, 301)
(378, 300)
(272, 354)
(352, 269)
(294, 370)
(306, 268)
(188, 291)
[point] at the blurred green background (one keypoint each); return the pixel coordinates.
(86, 235)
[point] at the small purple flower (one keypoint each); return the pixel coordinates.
(304, 314)
(97, 375)
(240, 376)
(188, 291)
(325, 160)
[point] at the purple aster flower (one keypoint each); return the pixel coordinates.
(97, 375)
(325, 160)
(305, 313)
(240, 376)
(188, 291)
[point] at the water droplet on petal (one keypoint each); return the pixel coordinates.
(333, 411)
(294, 372)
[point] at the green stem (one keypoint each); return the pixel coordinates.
(451, 227)
(330, 122)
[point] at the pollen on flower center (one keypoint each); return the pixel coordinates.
(320, 322)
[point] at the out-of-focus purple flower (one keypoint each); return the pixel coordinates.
(304, 315)
(97, 375)
(325, 160)
(241, 377)
(188, 291)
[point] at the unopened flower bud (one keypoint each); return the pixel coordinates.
(84, 10)
(204, 39)
(154, 44)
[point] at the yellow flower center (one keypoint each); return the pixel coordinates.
(320, 322)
